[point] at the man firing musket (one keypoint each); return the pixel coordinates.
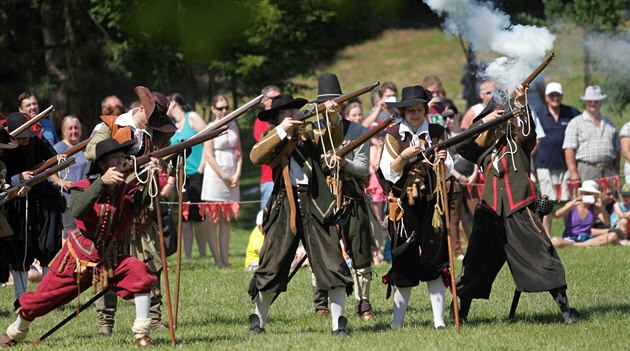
(104, 207)
(301, 206)
(507, 227)
(35, 218)
(355, 219)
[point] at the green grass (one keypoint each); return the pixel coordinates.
(214, 304)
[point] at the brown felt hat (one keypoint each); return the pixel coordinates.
(155, 106)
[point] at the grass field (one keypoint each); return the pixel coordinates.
(214, 308)
(214, 304)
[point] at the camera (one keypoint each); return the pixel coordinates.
(390, 99)
(588, 199)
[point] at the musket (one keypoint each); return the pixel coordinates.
(32, 121)
(415, 179)
(232, 115)
(530, 78)
(343, 98)
(70, 317)
(36, 179)
(470, 132)
(53, 160)
(128, 164)
(349, 147)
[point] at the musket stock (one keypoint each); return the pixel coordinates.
(12, 192)
(53, 160)
(343, 98)
(349, 147)
(32, 121)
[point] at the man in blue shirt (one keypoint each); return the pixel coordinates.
(553, 118)
(27, 103)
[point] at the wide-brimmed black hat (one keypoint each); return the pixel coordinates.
(281, 102)
(6, 140)
(108, 146)
(328, 87)
(15, 120)
(155, 106)
(412, 95)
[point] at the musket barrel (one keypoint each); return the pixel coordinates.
(32, 121)
(128, 164)
(232, 115)
(470, 132)
(343, 98)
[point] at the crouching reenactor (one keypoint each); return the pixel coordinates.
(103, 208)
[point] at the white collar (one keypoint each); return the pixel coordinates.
(406, 128)
(126, 120)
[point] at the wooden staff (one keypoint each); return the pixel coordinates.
(450, 246)
(180, 224)
(70, 317)
(167, 287)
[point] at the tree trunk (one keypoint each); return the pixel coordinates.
(67, 59)
(587, 57)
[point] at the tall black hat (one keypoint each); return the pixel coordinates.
(328, 87)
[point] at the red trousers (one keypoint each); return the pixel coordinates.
(59, 288)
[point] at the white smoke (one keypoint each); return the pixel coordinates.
(611, 53)
(488, 30)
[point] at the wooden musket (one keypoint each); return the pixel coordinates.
(36, 179)
(32, 121)
(53, 160)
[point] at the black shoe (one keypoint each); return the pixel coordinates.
(574, 317)
(254, 325)
(463, 311)
(342, 329)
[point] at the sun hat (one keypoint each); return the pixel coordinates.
(593, 93)
(589, 186)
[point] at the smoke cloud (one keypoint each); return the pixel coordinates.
(519, 48)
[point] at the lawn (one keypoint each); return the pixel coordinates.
(214, 304)
(214, 307)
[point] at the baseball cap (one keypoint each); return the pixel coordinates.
(553, 87)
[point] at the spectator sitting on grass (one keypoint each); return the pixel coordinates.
(620, 218)
(579, 216)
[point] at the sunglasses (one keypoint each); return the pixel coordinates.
(487, 92)
(222, 108)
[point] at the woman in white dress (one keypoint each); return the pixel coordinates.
(222, 164)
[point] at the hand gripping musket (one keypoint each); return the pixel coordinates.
(12, 192)
(53, 160)
(32, 121)
(349, 147)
